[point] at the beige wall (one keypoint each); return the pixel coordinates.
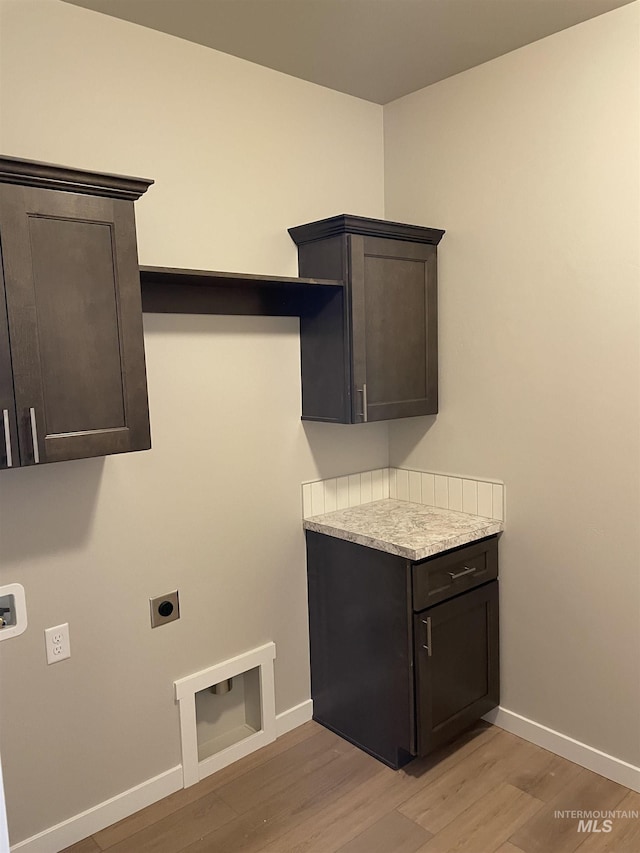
(239, 153)
(532, 164)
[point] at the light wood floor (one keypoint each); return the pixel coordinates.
(312, 792)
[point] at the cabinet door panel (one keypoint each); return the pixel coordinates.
(456, 650)
(76, 259)
(9, 451)
(75, 322)
(394, 302)
(396, 344)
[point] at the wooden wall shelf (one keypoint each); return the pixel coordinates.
(167, 290)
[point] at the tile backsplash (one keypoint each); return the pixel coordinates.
(477, 497)
(341, 492)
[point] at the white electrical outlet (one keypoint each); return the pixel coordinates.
(57, 642)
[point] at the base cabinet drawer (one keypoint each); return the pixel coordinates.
(439, 578)
(457, 665)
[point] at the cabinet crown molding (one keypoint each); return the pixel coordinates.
(15, 170)
(363, 226)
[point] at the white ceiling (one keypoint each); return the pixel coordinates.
(378, 50)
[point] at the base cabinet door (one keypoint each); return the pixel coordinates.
(71, 320)
(457, 665)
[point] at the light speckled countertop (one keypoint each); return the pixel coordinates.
(410, 530)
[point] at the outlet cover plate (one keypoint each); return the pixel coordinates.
(57, 643)
(164, 608)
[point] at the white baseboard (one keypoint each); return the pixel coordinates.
(80, 826)
(122, 805)
(294, 717)
(573, 750)
(104, 814)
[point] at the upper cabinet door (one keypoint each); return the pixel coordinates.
(372, 353)
(395, 329)
(75, 323)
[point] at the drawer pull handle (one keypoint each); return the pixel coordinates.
(7, 437)
(34, 435)
(365, 405)
(467, 571)
(427, 645)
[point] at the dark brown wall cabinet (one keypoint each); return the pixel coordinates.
(404, 656)
(72, 371)
(369, 353)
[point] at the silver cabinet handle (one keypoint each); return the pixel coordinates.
(34, 435)
(363, 391)
(427, 646)
(466, 571)
(7, 437)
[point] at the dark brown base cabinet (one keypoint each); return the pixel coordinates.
(404, 656)
(369, 352)
(72, 369)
